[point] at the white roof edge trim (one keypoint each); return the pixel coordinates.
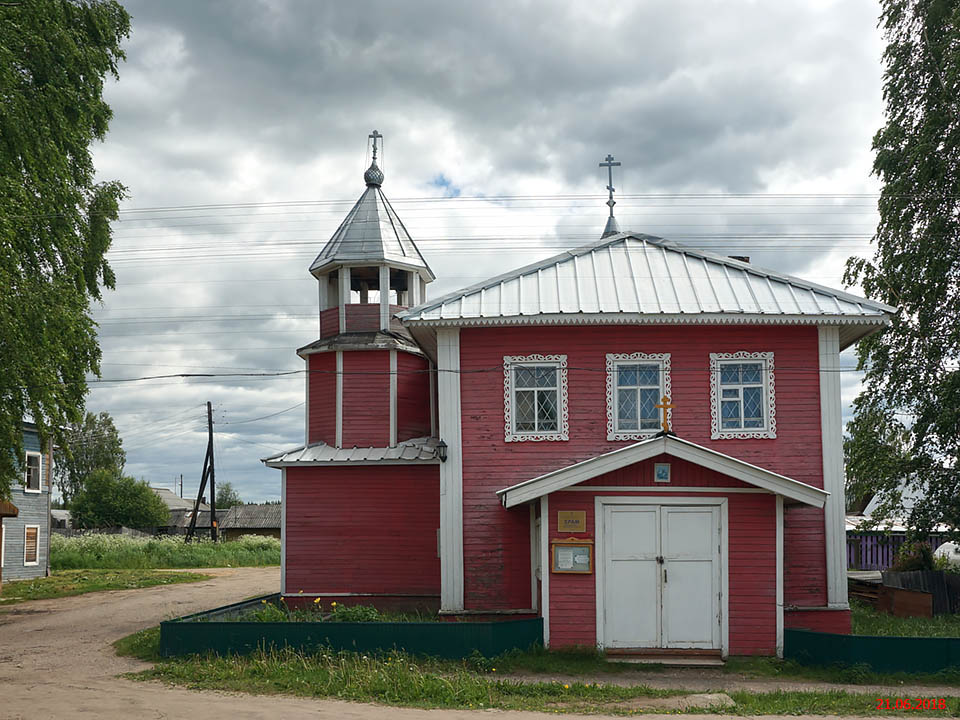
(360, 262)
(619, 318)
(644, 450)
(334, 463)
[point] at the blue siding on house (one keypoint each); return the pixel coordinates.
(34, 510)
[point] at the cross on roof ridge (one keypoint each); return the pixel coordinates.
(612, 228)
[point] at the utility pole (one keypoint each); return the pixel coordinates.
(208, 472)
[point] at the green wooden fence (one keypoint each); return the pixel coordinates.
(218, 631)
(883, 654)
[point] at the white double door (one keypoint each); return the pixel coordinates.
(662, 576)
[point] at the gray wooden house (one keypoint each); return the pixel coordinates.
(243, 520)
(25, 539)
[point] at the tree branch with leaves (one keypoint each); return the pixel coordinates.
(905, 438)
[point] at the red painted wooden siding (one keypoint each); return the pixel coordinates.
(492, 579)
(359, 318)
(323, 398)
(831, 621)
(366, 398)
(365, 529)
(413, 397)
(329, 322)
(752, 558)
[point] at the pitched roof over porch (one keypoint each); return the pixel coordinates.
(792, 490)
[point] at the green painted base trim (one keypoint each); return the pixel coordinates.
(214, 631)
(882, 654)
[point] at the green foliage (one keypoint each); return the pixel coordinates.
(393, 678)
(54, 218)
(117, 551)
(143, 645)
(356, 613)
(266, 612)
(916, 555)
(227, 497)
(867, 621)
(107, 499)
(399, 679)
(335, 612)
(93, 444)
(63, 583)
(912, 382)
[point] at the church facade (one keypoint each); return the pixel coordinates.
(638, 441)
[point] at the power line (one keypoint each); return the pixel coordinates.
(263, 417)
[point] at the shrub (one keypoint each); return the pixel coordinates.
(915, 555)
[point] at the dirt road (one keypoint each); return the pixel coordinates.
(56, 661)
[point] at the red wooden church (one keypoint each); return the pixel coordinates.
(501, 450)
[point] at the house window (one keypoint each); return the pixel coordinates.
(635, 384)
(31, 480)
(535, 398)
(3, 541)
(31, 543)
(742, 395)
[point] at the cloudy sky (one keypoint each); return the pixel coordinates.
(240, 129)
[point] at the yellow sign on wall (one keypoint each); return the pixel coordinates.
(571, 521)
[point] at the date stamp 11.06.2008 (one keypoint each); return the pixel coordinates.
(911, 703)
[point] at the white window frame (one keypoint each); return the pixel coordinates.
(37, 561)
(26, 470)
(3, 542)
(769, 429)
(563, 423)
(614, 360)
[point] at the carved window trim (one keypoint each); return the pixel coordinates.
(615, 359)
(769, 430)
(563, 424)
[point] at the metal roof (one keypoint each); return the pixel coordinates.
(266, 516)
(372, 233)
(645, 279)
(422, 449)
(175, 502)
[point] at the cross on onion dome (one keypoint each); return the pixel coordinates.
(374, 175)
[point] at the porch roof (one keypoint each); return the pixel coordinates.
(662, 444)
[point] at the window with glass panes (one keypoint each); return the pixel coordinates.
(32, 473)
(742, 396)
(638, 390)
(536, 398)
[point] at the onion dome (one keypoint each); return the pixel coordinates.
(373, 177)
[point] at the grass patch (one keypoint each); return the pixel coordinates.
(143, 645)
(118, 551)
(845, 674)
(867, 621)
(391, 678)
(398, 679)
(63, 583)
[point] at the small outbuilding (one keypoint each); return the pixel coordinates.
(243, 520)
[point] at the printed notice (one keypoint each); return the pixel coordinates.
(564, 558)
